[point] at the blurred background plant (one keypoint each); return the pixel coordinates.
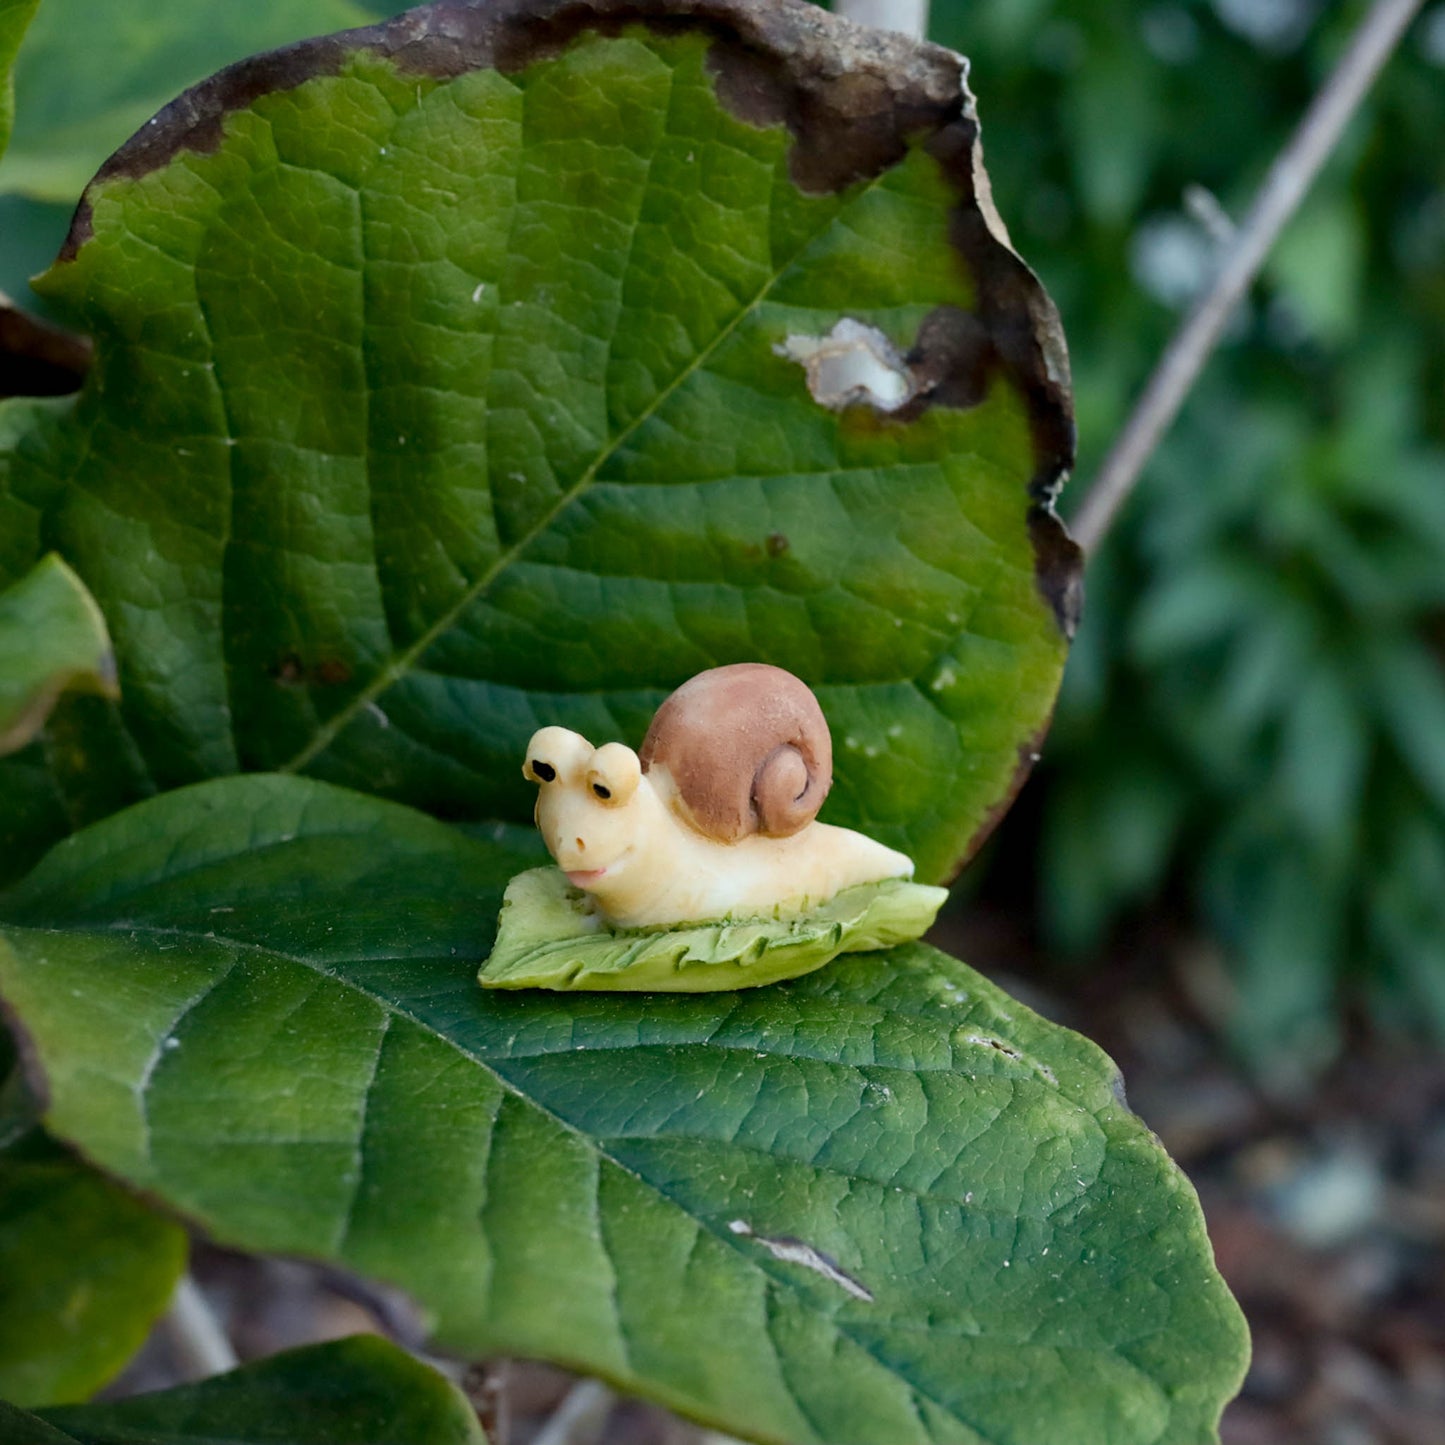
(1252, 731)
(1252, 727)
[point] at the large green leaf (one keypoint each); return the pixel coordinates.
(361, 1391)
(880, 1203)
(438, 394)
(52, 639)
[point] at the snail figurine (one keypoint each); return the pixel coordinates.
(698, 861)
(715, 817)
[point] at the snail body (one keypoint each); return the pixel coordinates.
(715, 819)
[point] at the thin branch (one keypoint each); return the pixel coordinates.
(579, 1417)
(201, 1345)
(908, 17)
(1284, 187)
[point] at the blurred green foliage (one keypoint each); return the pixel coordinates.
(1255, 710)
(85, 81)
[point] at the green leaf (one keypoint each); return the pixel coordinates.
(85, 1270)
(52, 640)
(79, 101)
(15, 17)
(434, 400)
(22, 1428)
(1319, 265)
(883, 1202)
(1409, 697)
(359, 1391)
(548, 937)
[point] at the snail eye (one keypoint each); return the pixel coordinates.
(602, 792)
(545, 771)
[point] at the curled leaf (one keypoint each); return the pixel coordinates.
(52, 639)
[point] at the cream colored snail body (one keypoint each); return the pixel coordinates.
(715, 818)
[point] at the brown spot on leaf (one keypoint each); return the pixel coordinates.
(952, 360)
(292, 671)
(777, 544)
(1058, 567)
(288, 671)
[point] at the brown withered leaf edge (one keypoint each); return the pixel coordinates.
(36, 358)
(851, 96)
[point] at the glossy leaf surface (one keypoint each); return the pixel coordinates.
(438, 395)
(883, 1202)
(360, 1391)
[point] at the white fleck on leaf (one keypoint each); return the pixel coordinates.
(852, 365)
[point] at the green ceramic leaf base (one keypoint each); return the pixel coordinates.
(549, 936)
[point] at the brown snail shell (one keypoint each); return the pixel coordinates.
(747, 748)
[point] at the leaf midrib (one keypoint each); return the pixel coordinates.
(402, 663)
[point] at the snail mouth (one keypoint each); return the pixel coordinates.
(590, 877)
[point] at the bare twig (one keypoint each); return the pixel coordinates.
(579, 1417)
(908, 17)
(1284, 187)
(200, 1344)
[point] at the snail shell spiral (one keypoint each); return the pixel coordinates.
(747, 750)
